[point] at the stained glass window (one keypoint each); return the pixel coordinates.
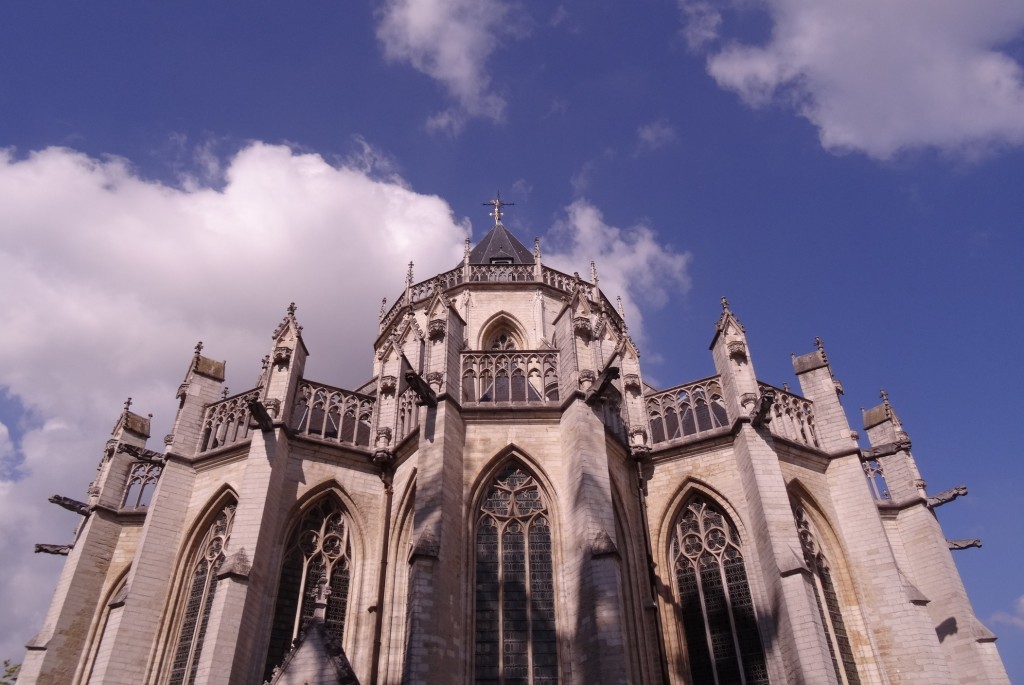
(319, 551)
(202, 587)
(515, 599)
(717, 609)
(828, 602)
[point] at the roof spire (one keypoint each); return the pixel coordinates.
(497, 203)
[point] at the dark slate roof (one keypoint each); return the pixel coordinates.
(500, 244)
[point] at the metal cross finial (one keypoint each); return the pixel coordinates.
(497, 203)
(128, 404)
(224, 393)
(291, 309)
(199, 347)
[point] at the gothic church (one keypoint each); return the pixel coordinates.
(506, 500)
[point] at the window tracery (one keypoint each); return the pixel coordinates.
(828, 602)
(202, 587)
(142, 480)
(717, 608)
(515, 603)
(319, 551)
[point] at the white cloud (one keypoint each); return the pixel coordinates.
(1015, 619)
(449, 41)
(630, 261)
(655, 135)
(880, 76)
(110, 279)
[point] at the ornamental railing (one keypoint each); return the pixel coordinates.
(227, 422)
(332, 414)
(501, 273)
(516, 376)
(686, 411)
(489, 273)
(792, 416)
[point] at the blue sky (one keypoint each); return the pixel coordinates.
(181, 172)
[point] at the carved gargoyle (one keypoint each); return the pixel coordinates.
(423, 391)
(596, 393)
(61, 550)
(80, 508)
(260, 415)
(761, 414)
(963, 543)
(141, 453)
(947, 496)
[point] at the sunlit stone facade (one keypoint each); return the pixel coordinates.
(506, 500)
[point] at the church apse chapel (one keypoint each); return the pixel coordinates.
(506, 500)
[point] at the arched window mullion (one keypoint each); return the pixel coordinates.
(708, 636)
(514, 554)
(711, 581)
(732, 618)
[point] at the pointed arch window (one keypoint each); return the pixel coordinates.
(515, 603)
(319, 551)
(828, 601)
(718, 616)
(202, 588)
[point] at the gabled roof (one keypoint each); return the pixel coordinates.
(499, 243)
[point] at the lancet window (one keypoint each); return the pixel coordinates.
(201, 589)
(319, 552)
(717, 608)
(515, 603)
(142, 480)
(828, 602)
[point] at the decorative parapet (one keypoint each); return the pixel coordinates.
(687, 411)
(227, 422)
(332, 414)
(501, 273)
(520, 376)
(791, 416)
(494, 273)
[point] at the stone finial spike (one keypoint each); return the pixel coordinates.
(291, 309)
(725, 304)
(466, 251)
(820, 344)
(536, 249)
(408, 275)
(224, 393)
(593, 272)
(618, 307)
(383, 306)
